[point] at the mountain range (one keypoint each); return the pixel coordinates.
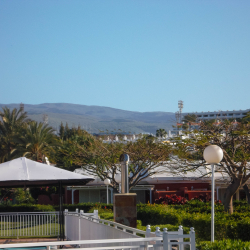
(96, 119)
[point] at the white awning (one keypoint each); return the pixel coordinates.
(25, 172)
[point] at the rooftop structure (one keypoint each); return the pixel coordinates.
(219, 114)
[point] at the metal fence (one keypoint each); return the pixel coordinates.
(29, 224)
(82, 226)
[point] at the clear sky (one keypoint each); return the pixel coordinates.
(136, 55)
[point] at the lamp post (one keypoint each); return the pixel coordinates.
(118, 179)
(212, 154)
(107, 182)
(124, 159)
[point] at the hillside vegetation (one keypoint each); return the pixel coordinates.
(95, 118)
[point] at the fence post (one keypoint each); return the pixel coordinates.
(65, 222)
(79, 225)
(180, 232)
(96, 214)
(157, 234)
(148, 231)
(192, 238)
(165, 239)
(18, 225)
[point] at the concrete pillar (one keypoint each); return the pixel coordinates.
(125, 210)
(217, 193)
(72, 196)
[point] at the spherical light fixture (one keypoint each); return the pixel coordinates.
(118, 178)
(107, 181)
(213, 154)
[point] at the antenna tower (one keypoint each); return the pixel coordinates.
(180, 106)
(177, 117)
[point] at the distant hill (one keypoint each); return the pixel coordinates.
(96, 118)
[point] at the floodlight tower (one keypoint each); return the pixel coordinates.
(45, 119)
(177, 116)
(180, 106)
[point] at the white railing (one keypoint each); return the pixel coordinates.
(136, 243)
(90, 227)
(29, 224)
(83, 226)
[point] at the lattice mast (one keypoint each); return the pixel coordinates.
(180, 106)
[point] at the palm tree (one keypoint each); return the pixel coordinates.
(39, 140)
(161, 132)
(11, 126)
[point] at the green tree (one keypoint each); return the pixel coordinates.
(11, 126)
(235, 143)
(189, 118)
(61, 131)
(146, 159)
(38, 140)
(161, 132)
(246, 118)
(73, 141)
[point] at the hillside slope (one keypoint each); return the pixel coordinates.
(97, 118)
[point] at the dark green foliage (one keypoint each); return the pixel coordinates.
(223, 245)
(197, 214)
(161, 132)
(27, 208)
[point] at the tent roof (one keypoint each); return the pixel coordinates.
(24, 172)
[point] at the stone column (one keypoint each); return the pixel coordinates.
(125, 211)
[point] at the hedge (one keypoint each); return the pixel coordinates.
(235, 226)
(27, 208)
(224, 245)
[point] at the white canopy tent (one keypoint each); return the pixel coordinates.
(23, 172)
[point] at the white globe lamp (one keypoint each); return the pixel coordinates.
(212, 154)
(107, 182)
(118, 178)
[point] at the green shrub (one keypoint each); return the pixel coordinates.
(158, 214)
(107, 216)
(243, 230)
(224, 245)
(27, 208)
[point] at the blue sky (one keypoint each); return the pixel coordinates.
(136, 55)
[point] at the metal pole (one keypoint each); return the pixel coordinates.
(124, 158)
(107, 194)
(212, 206)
